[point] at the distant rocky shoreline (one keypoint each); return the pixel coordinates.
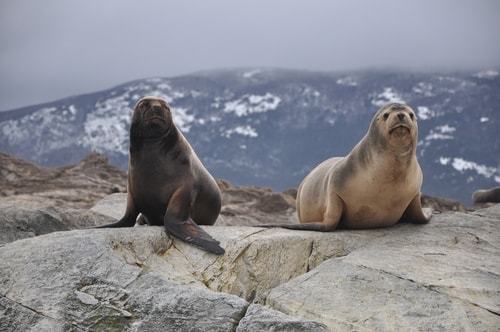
(82, 185)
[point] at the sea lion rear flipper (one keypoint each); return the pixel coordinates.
(316, 226)
(189, 231)
(178, 222)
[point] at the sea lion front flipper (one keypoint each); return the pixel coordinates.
(128, 220)
(414, 212)
(178, 223)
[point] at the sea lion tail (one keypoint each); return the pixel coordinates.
(318, 227)
(190, 232)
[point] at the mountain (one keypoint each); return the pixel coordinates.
(270, 127)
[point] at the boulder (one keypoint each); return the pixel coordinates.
(17, 222)
(439, 276)
(442, 276)
(114, 280)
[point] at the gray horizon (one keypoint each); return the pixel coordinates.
(55, 49)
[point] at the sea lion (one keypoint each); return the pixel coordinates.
(167, 183)
(376, 185)
(486, 195)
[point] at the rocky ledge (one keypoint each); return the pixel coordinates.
(441, 276)
(57, 274)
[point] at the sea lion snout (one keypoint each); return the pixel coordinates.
(401, 116)
(155, 110)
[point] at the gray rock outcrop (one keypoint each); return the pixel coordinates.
(441, 276)
(18, 222)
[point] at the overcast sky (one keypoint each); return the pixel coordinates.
(53, 49)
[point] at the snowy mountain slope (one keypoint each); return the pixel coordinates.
(270, 127)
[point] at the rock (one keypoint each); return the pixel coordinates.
(112, 205)
(114, 279)
(350, 297)
(443, 275)
(253, 206)
(73, 186)
(442, 204)
(18, 222)
(259, 318)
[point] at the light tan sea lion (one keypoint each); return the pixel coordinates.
(376, 185)
(167, 183)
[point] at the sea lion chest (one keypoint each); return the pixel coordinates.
(378, 193)
(154, 175)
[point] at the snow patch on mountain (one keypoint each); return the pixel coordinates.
(424, 88)
(441, 132)
(48, 120)
(424, 113)
(241, 130)
(183, 120)
(311, 92)
(156, 87)
(250, 103)
(72, 110)
(251, 73)
(106, 128)
(488, 74)
(463, 165)
(389, 95)
(347, 81)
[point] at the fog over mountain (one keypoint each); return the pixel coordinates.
(54, 48)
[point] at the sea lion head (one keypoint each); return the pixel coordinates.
(151, 118)
(395, 125)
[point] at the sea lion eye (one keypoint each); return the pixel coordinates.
(412, 116)
(386, 116)
(142, 104)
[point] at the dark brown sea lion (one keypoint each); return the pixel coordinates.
(491, 195)
(376, 185)
(167, 183)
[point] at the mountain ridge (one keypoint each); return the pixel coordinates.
(270, 127)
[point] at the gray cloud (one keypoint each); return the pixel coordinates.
(55, 48)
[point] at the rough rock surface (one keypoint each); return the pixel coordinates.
(17, 222)
(116, 280)
(441, 276)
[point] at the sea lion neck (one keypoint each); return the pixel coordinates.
(165, 140)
